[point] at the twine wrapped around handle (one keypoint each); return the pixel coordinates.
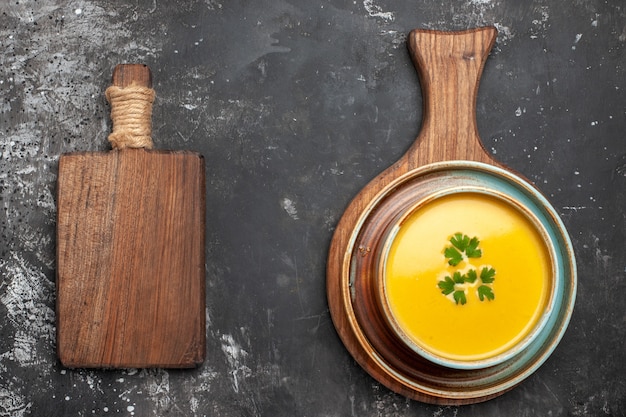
(131, 113)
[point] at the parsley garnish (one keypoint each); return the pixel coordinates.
(459, 297)
(471, 276)
(455, 257)
(464, 247)
(485, 292)
(487, 275)
(446, 285)
(462, 244)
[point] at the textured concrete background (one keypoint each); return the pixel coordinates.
(296, 105)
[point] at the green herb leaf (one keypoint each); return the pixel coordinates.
(471, 276)
(487, 275)
(446, 286)
(472, 250)
(485, 292)
(460, 241)
(462, 244)
(458, 278)
(453, 255)
(459, 297)
(464, 247)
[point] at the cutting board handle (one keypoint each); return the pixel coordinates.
(449, 65)
(126, 75)
(131, 97)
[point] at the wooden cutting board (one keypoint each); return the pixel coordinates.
(130, 245)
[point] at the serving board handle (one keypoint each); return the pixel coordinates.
(125, 75)
(449, 65)
(131, 97)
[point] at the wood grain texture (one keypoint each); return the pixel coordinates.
(130, 255)
(130, 273)
(449, 65)
(125, 75)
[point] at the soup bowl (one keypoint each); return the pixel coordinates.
(377, 319)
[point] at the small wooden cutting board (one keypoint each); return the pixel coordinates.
(130, 254)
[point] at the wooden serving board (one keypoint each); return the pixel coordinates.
(446, 158)
(130, 255)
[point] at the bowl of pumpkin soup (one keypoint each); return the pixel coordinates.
(459, 282)
(465, 278)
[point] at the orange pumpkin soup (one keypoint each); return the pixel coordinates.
(467, 276)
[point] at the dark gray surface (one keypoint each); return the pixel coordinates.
(296, 105)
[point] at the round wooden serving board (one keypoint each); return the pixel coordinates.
(446, 156)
